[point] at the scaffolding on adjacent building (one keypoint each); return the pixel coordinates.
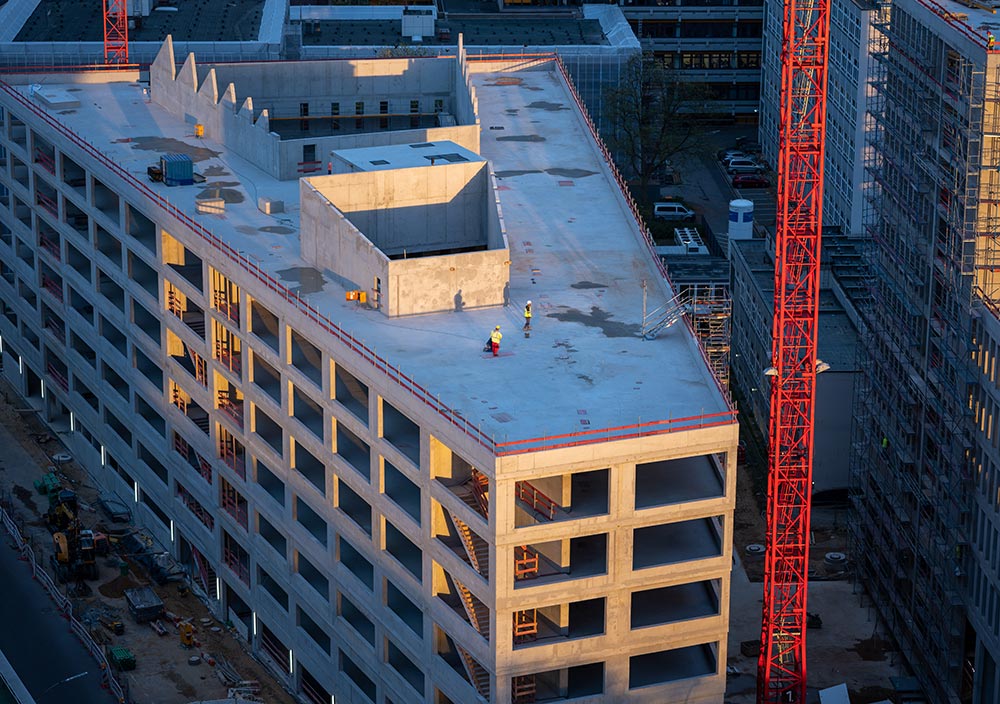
(911, 461)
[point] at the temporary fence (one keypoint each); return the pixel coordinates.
(63, 604)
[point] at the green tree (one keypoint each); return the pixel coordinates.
(654, 117)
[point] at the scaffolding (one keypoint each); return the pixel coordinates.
(912, 437)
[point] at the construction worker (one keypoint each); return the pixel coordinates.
(990, 41)
(495, 338)
(527, 315)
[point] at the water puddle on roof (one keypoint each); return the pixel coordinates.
(516, 172)
(169, 145)
(522, 138)
(587, 284)
(215, 170)
(546, 105)
(599, 319)
(570, 173)
(220, 190)
(277, 229)
(309, 280)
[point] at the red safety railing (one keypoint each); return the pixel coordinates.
(539, 502)
(951, 18)
(231, 408)
(234, 563)
(46, 161)
(47, 204)
(195, 507)
(354, 345)
(58, 377)
(50, 246)
(52, 286)
(56, 328)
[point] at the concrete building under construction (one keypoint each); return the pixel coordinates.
(924, 490)
(282, 366)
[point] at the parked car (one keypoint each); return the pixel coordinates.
(672, 211)
(744, 166)
(751, 181)
(726, 160)
(726, 154)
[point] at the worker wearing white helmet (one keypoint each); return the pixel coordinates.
(527, 315)
(495, 338)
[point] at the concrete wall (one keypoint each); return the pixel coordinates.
(193, 94)
(350, 221)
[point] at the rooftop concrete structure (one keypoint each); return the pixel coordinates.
(386, 512)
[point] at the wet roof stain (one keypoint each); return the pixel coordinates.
(546, 105)
(506, 81)
(570, 173)
(597, 318)
(516, 172)
(522, 138)
(277, 229)
(169, 145)
(309, 280)
(215, 170)
(587, 284)
(220, 189)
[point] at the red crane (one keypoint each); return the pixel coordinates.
(781, 667)
(116, 31)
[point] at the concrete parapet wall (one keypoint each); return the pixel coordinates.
(350, 221)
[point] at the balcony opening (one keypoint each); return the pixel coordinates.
(307, 358)
(231, 451)
(49, 240)
(269, 585)
(150, 459)
(351, 393)
(561, 560)
(459, 659)
(314, 692)
(77, 219)
(307, 412)
(264, 324)
(674, 481)
(309, 466)
(106, 201)
(148, 323)
(311, 521)
(365, 685)
(268, 430)
(113, 334)
(406, 668)
(683, 541)
(313, 577)
(672, 665)
(186, 310)
(561, 685)
(19, 172)
(354, 451)
(314, 631)
(354, 507)
(225, 297)
(681, 602)
(148, 368)
(79, 262)
(408, 612)
(269, 482)
(22, 212)
(111, 247)
(460, 477)
(265, 377)
(190, 408)
(18, 132)
(457, 536)
(233, 503)
(229, 400)
(403, 492)
(272, 535)
(46, 198)
(401, 548)
(114, 380)
(236, 558)
(274, 648)
(186, 357)
(463, 601)
(402, 432)
(561, 497)
(184, 262)
(356, 563)
(228, 348)
(559, 622)
(73, 175)
(143, 274)
(357, 619)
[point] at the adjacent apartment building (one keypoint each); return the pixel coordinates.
(282, 366)
(924, 489)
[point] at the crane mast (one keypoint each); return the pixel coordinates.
(116, 31)
(781, 666)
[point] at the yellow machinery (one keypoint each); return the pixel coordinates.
(187, 634)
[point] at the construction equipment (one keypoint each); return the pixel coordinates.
(122, 658)
(116, 627)
(187, 634)
(781, 665)
(62, 510)
(143, 604)
(75, 555)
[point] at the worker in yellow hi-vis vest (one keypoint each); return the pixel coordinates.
(495, 338)
(527, 315)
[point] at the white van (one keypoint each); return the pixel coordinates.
(672, 211)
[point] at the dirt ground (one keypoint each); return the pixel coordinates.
(163, 674)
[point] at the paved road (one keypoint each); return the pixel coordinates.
(37, 640)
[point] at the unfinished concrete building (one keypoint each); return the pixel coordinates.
(924, 489)
(283, 369)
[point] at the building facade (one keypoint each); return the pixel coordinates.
(923, 445)
(375, 539)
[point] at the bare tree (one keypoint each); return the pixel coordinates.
(654, 117)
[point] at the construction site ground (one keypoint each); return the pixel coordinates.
(163, 674)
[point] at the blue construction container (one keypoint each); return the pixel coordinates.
(178, 170)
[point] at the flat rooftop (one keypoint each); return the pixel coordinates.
(404, 156)
(186, 20)
(488, 30)
(575, 251)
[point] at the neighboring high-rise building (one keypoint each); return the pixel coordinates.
(712, 43)
(924, 524)
(847, 85)
(282, 366)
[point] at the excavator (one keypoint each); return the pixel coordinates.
(76, 553)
